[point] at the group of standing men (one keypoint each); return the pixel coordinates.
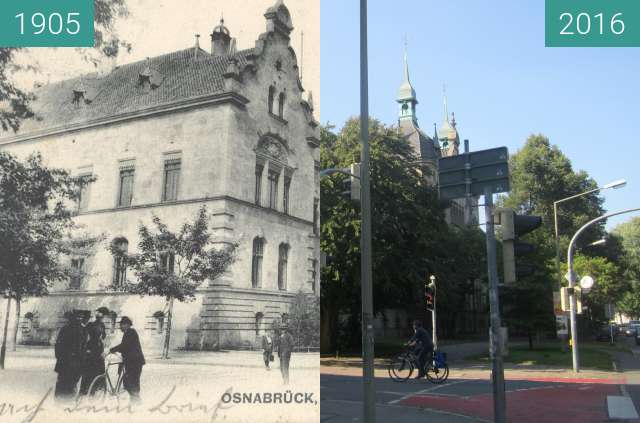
(80, 352)
(284, 344)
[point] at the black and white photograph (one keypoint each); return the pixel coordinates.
(160, 217)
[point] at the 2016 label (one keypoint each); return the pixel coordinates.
(582, 24)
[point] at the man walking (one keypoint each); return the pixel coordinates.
(267, 347)
(69, 348)
(421, 341)
(285, 349)
(94, 362)
(132, 358)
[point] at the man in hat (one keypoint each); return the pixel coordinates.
(132, 358)
(285, 349)
(94, 363)
(69, 349)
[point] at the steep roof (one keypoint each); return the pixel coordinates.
(173, 77)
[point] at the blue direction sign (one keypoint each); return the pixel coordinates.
(473, 173)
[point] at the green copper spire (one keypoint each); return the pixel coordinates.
(406, 93)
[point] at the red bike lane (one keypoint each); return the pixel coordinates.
(548, 401)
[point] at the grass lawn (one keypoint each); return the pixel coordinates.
(552, 356)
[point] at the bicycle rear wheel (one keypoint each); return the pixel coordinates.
(437, 374)
(400, 368)
(98, 389)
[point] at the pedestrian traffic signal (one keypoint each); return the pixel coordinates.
(513, 227)
(429, 295)
(352, 183)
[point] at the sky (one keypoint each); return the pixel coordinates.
(501, 81)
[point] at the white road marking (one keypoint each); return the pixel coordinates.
(621, 407)
(425, 391)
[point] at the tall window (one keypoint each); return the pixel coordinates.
(272, 96)
(171, 179)
(77, 273)
(259, 319)
(273, 188)
(83, 200)
(316, 216)
(281, 99)
(120, 262)
(285, 201)
(125, 195)
(314, 274)
(258, 193)
(256, 263)
(283, 258)
(168, 261)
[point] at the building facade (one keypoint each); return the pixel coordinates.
(232, 130)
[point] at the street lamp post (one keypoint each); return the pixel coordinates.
(432, 278)
(615, 185)
(571, 277)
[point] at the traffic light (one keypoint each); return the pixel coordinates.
(429, 295)
(352, 183)
(513, 227)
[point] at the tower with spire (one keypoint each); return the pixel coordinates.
(448, 134)
(425, 148)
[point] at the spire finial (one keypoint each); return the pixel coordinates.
(444, 94)
(406, 61)
(453, 120)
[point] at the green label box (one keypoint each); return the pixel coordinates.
(592, 23)
(46, 23)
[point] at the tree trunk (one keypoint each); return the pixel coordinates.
(16, 325)
(3, 348)
(167, 337)
(530, 336)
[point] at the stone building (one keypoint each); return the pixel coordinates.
(229, 129)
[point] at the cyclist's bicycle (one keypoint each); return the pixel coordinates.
(103, 384)
(401, 367)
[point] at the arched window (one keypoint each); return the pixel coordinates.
(120, 249)
(256, 262)
(259, 319)
(159, 320)
(281, 99)
(272, 96)
(283, 258)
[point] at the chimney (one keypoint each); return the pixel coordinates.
(197, 47)
(220, 40)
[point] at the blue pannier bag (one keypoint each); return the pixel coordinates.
(440, 359)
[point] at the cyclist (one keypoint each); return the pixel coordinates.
(422, 346)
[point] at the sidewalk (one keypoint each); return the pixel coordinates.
(237, 359)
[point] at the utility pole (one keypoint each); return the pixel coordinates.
(369, 402)
(434, 334)
(497, 367)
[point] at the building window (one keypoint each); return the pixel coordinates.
(120, 262)
(159, 322)
(314, 274)
(285, 201)
(83, 199)
(77, 273)
(256, 263)
(259, 319)
(316, 216)
(125, 195)
(171, 179)
(168, 262)
(113, 319)
(273, 188)
(272, 96)
(281, 99)
(283, 258)
(258, 193)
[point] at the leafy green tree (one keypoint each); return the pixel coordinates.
(411, 239)
(106, 44)
(628, 235)
(34, 219)
(540, 175)
(304, 320)
(174, 264)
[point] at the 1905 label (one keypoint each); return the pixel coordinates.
(46, 23)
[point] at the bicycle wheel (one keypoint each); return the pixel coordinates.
(400, 368)
(437, 374)
(98, 388)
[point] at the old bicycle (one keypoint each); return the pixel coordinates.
(103, 384)
(402, 366)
